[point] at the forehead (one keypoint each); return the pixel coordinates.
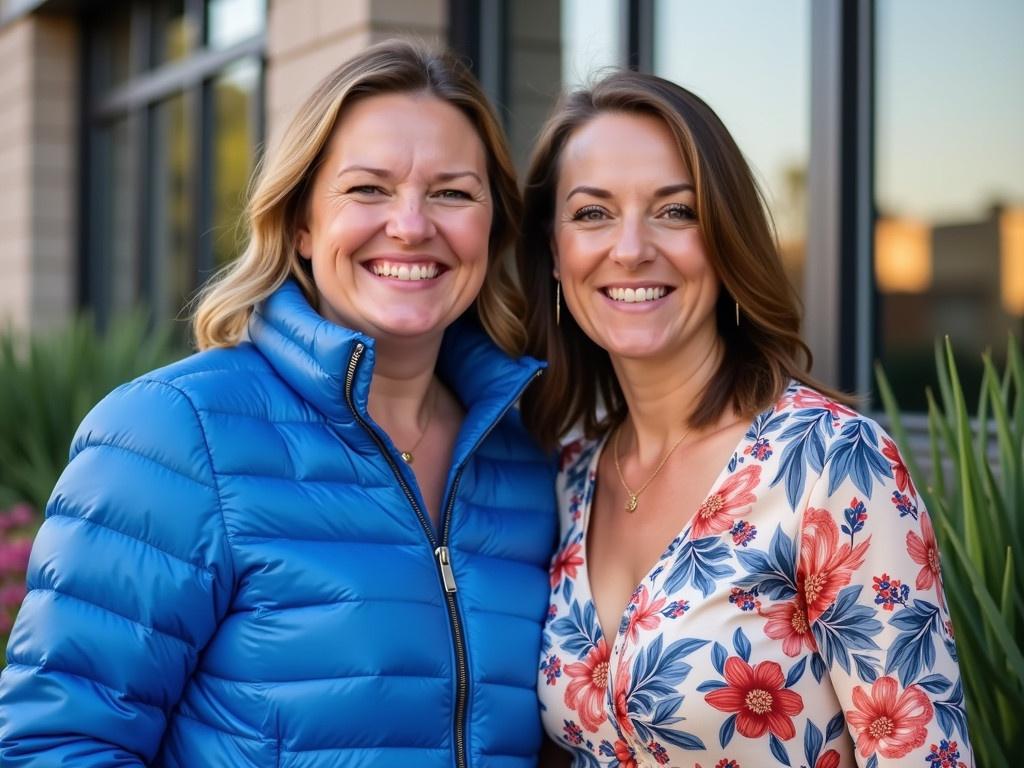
(402, 127)
(617, 147)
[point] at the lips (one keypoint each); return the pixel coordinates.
(637, 294)
(406, 271)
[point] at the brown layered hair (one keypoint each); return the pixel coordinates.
(762, 354)
(281, 189)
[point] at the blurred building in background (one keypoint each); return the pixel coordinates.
(888, 136)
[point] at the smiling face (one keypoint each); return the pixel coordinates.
(398, 217)
(627, 245)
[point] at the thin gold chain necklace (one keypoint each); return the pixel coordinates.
(407, 456)
(631, 503)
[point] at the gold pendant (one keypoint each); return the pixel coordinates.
(631, 504)
(406, 457)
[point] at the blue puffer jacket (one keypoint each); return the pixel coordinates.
(236, 569)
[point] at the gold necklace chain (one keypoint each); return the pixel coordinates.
(407, 456)
(631, 504)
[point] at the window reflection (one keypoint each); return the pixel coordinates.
(949, 236)
(235, 103)
(231, 21)
(750, 62)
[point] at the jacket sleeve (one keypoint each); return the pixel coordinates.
(869, 573)
(129, 576)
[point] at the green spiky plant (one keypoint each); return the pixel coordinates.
(977, 508)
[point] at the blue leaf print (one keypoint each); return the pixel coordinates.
(818, 667)
(741, 644)
(658, 728)
(581, 758)
(725, 733)
(866, 667)
(662, 714)
(774, 572)
(764, 424)
(576, 475)
(872, 762)
(580, 627)
(914, 648)
(951, 715)
(696, 565)
(778, 749)
(718, 657)
(855, 455)
(812, 743)
(796, 672)
(835, 726)
(678, 738)
(656, 675)
(845, 627)
(806, 449)
(567, 590)
(935, 683)
(711, 685)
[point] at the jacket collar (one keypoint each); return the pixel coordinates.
(331, 367)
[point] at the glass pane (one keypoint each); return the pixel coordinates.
(114, 214)
(949, 237)
(749, 61)
(229, 21)
(235, 99)
(552, 45)
(112, 49)
(171, 252)
(174, 33)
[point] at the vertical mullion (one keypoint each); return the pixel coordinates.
(202, 178)
(141, 119)
(639, 37)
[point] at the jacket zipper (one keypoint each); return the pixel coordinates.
(441, 553)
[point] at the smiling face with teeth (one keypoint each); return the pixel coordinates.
(627, 245)
(398, 218)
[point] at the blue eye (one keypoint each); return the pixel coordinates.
(589, 213)
(453, 194)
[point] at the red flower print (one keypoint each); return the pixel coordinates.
(625, 755)
(621, 696)
(569, 453)
(829, 759)
(788, 622)
(891, 725)
(899, 469)
(645, 614)
(758, 696)
(808, 398)
(585, 693)
(825, 565)
(732, 499)
(565, 562)
(924, 550)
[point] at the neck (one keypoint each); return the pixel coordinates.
(661, 395)
(402, 376)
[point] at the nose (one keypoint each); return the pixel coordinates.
(631, 247)
(409, 222)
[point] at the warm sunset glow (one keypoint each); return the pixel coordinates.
(1011, 257)
(903, 256)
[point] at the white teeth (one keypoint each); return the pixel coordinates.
(404, 271)
(635, 295)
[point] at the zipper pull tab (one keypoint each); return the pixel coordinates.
(447, 575)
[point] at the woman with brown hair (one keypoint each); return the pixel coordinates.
(746, 576)
(322, 540)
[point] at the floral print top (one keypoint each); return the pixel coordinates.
(798, 619)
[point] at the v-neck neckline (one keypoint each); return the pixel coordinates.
(670, 548)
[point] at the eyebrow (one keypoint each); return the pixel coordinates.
(604, 194)
(384, 173)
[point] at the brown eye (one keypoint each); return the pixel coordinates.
(679, 212)
(589, 213)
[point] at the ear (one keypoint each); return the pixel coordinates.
(304, 241)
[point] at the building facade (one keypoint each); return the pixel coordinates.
(888, 136)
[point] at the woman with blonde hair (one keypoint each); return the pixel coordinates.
(322, 540)
(746, 575)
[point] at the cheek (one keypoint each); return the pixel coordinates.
(469, 233)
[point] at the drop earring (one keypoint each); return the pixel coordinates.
(558, 302)
(737, 314)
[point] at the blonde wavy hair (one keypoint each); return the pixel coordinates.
(281, 188)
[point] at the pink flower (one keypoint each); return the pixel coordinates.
(825, 565)
(899, 469)
(887, 723)
(11, 595)
(586, 692)
(788, 622)
(14, 556)
(732, 499)
(924, 550)
(565, 562)
(758, 696)
(645, 614)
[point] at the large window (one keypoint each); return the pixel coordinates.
(173, 121)
(949, 195)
